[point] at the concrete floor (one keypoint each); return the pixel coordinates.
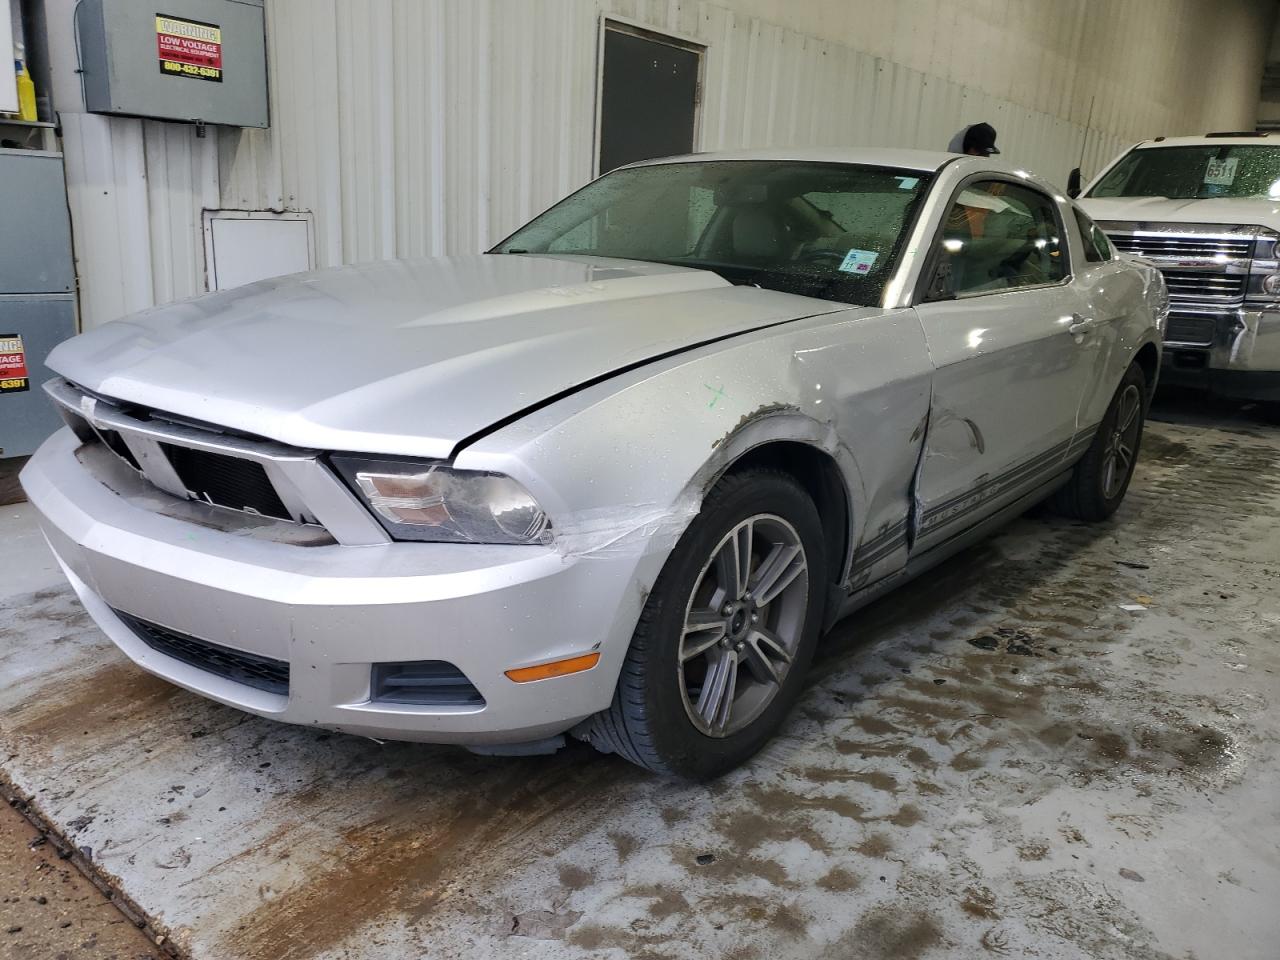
(998, 761)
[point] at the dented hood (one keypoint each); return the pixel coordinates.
(1242, 211)
(410, 357)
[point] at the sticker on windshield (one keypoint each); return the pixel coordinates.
(1221, 173)
(858, 261)
(907, 183)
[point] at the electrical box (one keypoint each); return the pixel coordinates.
(37, 293)
(201, 61)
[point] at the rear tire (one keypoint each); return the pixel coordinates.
(718, 658)
(1099, 481)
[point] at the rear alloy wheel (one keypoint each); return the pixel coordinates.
(719, 655)
(1121, 449)
(1099, 481)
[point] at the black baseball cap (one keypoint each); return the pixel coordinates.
(981, 137)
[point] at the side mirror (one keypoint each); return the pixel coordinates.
(1073, 183)
(942, 285)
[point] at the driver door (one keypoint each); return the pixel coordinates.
(1006, 330)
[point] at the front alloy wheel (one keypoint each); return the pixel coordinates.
(726, 634)
(743, 624)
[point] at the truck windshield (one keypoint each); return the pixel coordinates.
(1195, 173)
(818, 229)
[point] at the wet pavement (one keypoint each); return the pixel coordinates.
(998, 760)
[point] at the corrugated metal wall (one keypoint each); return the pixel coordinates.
(424, 127)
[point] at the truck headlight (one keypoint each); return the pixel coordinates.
(421, 500)
(1271, 284)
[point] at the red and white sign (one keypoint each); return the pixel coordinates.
(189, 48)
(13, 364)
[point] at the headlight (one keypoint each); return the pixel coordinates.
(418, 500)
(1271, 284)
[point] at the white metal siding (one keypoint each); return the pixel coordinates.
(429, 127)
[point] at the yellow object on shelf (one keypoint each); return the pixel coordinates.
(26, 92)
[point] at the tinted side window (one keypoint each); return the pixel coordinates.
(1000, 236)
(1097, 248)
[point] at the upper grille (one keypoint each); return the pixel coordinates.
(1183, 328)
(250, 669)
(287, 487)
(226, 481)
(115, 443)
(1215, 286)
(1183, 247)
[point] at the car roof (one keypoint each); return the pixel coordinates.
(926, 161)
(1213, 140)
(923, 161)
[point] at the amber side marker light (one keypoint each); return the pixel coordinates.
(557, 668)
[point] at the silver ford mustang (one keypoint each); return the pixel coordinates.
(614, 477)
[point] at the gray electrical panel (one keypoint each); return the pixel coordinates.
(192, 60)
(37, 293)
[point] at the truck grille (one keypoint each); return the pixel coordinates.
(226, 481)
(1162, 246)
(1201, 262)
(1185, 328)
(1204, 286)
(250, 669)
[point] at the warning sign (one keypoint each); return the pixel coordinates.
(13, 364)
(189, 48)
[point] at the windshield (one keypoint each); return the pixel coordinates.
(823, 230)
(1195, 173)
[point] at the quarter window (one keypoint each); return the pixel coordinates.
(998, 236)
(1097, 248)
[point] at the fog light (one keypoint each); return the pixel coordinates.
(424, 682)
(1271, 284)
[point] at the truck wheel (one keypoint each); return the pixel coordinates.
(726, 635)
(1099, 481)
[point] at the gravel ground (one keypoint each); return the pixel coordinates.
(1060, 744)
(49, 911)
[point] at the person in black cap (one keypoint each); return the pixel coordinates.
(978, 140)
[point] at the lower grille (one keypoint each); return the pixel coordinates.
(226, 481)
(261, 673)
(1217, 286)
(1183, 328)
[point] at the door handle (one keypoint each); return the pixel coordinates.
(1080, 325)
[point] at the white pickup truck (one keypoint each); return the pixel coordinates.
(1206, 211)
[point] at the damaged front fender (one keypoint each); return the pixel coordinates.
(622, 466)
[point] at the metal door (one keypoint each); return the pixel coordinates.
(1012, 358)
(648, 96)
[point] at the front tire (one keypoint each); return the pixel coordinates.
(719, 655)
(1099, 481)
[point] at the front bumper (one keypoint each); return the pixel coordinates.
(331, 611)
(1232, 351)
